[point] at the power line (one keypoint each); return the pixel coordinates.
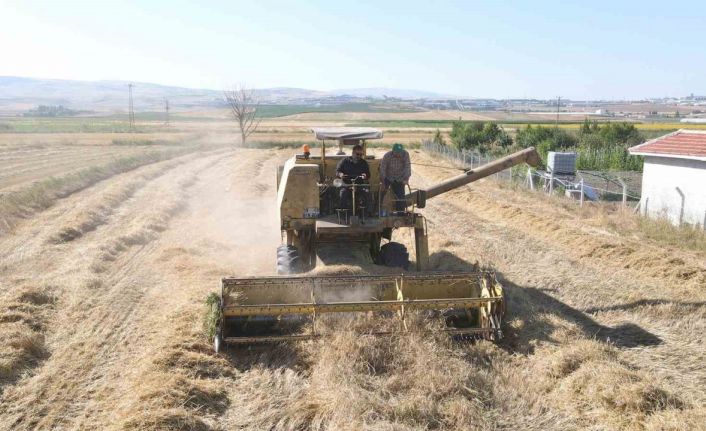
(131, 109)
(558, 102)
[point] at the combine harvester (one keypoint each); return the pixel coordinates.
(317, 232)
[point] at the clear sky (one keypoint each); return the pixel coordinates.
(580, 50)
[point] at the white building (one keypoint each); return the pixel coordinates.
(674, 177)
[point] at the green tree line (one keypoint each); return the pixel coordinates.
(598, 146)
(51, 111)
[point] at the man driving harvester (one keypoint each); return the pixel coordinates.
(353, 170)
(395, 170)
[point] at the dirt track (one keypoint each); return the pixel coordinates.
(101, 327)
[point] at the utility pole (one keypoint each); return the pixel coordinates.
(131, 108)
(558, 102)
(166, 112)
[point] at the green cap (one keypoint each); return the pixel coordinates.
(397, 148)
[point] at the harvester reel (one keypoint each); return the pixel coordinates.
(273, 309)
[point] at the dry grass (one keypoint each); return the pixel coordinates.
(93, 286)
(585, 232)
(658, 231)
(620, 221)
(589, 382)
(415, 381)
(182, 385)
(617, 395)
(23, 317)
(601, 334)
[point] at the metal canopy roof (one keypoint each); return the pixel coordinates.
(345, 133)
(683, 144)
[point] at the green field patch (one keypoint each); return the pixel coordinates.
(449, 123)
(144, 142)
(160, 117)
(73, 125)
(272, 111)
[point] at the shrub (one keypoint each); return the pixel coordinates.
(478, 136)
(438, 138)
(533, 136)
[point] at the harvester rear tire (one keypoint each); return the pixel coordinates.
(288, 260)
(393, 254)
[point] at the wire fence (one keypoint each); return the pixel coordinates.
(582, 186)
(467, 159)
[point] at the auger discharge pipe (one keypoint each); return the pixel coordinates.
(528, 155)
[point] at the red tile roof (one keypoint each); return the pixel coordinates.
(689, 144)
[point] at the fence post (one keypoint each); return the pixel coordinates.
(681, 207)
(625, 191)
(625, 195)
(530, 179)
(497, 174)
(551, 183)
(581, 204)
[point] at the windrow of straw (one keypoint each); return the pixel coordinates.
(41, 195)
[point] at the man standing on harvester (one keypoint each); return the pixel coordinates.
(395, 170)
(353, 169)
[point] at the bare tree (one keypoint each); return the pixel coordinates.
(243, 107)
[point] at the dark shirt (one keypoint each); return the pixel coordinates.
(352, 168)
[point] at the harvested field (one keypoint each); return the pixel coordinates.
(26, 164)
(101, 305)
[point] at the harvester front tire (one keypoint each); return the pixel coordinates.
(288, 260)
(218, 344)
(287, 250)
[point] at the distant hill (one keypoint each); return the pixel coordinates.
(381, 92)
(97, 95)
(21, 94)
